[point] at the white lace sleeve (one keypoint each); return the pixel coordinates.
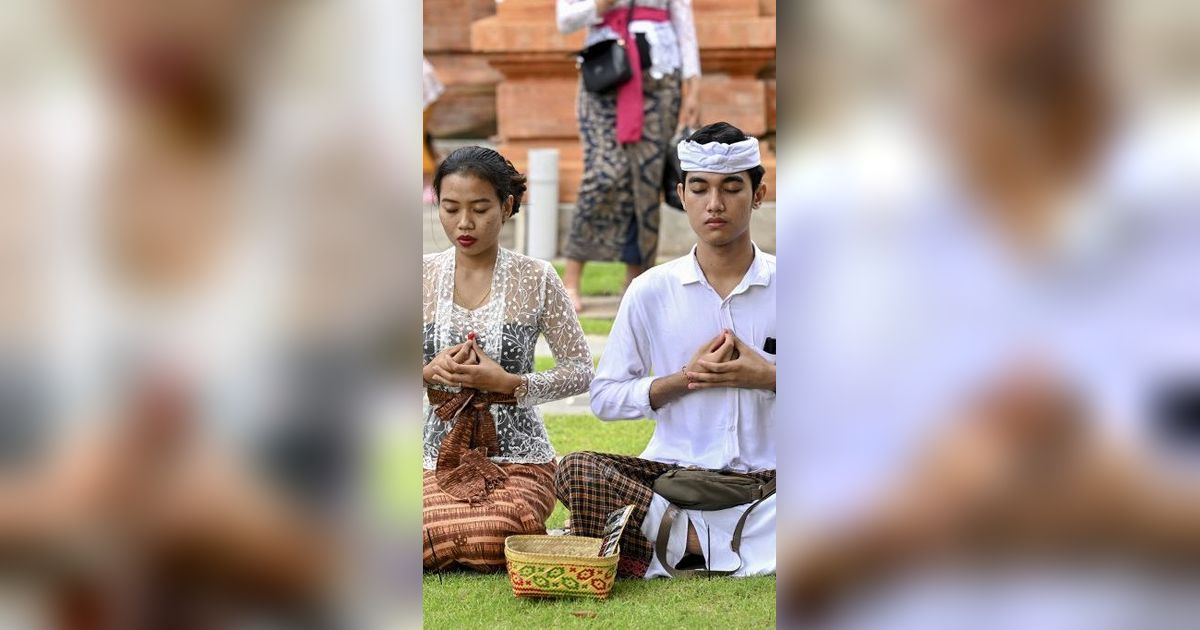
(685, 32)
(572, 374)
(573, 15)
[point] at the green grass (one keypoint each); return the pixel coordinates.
(569, 433)
(463, 600)
(471, 600)
(596, 325)
(600, 278)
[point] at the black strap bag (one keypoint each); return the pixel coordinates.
(605, 65)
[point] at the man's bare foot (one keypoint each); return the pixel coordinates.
(693, 557)
(693, 542)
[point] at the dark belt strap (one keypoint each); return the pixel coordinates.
(664, 534)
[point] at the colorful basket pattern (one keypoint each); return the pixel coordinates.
(559, 566)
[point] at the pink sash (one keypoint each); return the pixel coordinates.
(630, 112)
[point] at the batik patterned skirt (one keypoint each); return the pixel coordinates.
(458, 534)
(617, 210)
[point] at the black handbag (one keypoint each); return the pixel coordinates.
(673, 171)
(605, 65)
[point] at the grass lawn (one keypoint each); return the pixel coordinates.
(467, 600)
(586, 432)
(600, 278)
(470, 600)
(596, 325)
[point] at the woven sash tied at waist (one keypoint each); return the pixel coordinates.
(463, 469)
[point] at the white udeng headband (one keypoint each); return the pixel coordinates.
(716, 157)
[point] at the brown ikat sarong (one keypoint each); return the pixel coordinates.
(471, 535)
(470, 504)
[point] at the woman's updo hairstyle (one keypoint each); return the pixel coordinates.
(487, 165)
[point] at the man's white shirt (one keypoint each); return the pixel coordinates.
(666, 315)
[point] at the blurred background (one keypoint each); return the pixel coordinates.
(204, 418)
(990, 211)
(847, 55)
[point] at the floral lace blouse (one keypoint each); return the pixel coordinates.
(527, 299)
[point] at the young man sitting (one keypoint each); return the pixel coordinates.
(693, 348)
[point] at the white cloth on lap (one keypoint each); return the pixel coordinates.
(758, 537)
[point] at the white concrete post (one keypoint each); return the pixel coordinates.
(542, 221)
(521, 228)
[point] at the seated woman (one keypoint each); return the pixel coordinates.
(489, 466)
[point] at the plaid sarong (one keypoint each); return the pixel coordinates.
(592, 485)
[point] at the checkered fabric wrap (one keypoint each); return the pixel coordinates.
(592, 485)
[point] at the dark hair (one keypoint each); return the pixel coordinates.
(726, 133)
(487, 165)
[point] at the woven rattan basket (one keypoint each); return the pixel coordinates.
(559, 566)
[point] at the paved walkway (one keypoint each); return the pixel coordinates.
(601, 307)
(573, 406)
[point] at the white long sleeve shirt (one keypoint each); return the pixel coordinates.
(667, 313)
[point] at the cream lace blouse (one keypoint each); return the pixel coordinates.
(527, 299)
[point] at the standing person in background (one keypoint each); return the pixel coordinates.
(625, 132)
(432, 90)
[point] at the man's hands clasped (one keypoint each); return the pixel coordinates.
(727, 361)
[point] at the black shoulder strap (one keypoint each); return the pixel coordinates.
(767, 490)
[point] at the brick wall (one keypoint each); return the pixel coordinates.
(448, 23)
(468, 107)
(536, 99)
